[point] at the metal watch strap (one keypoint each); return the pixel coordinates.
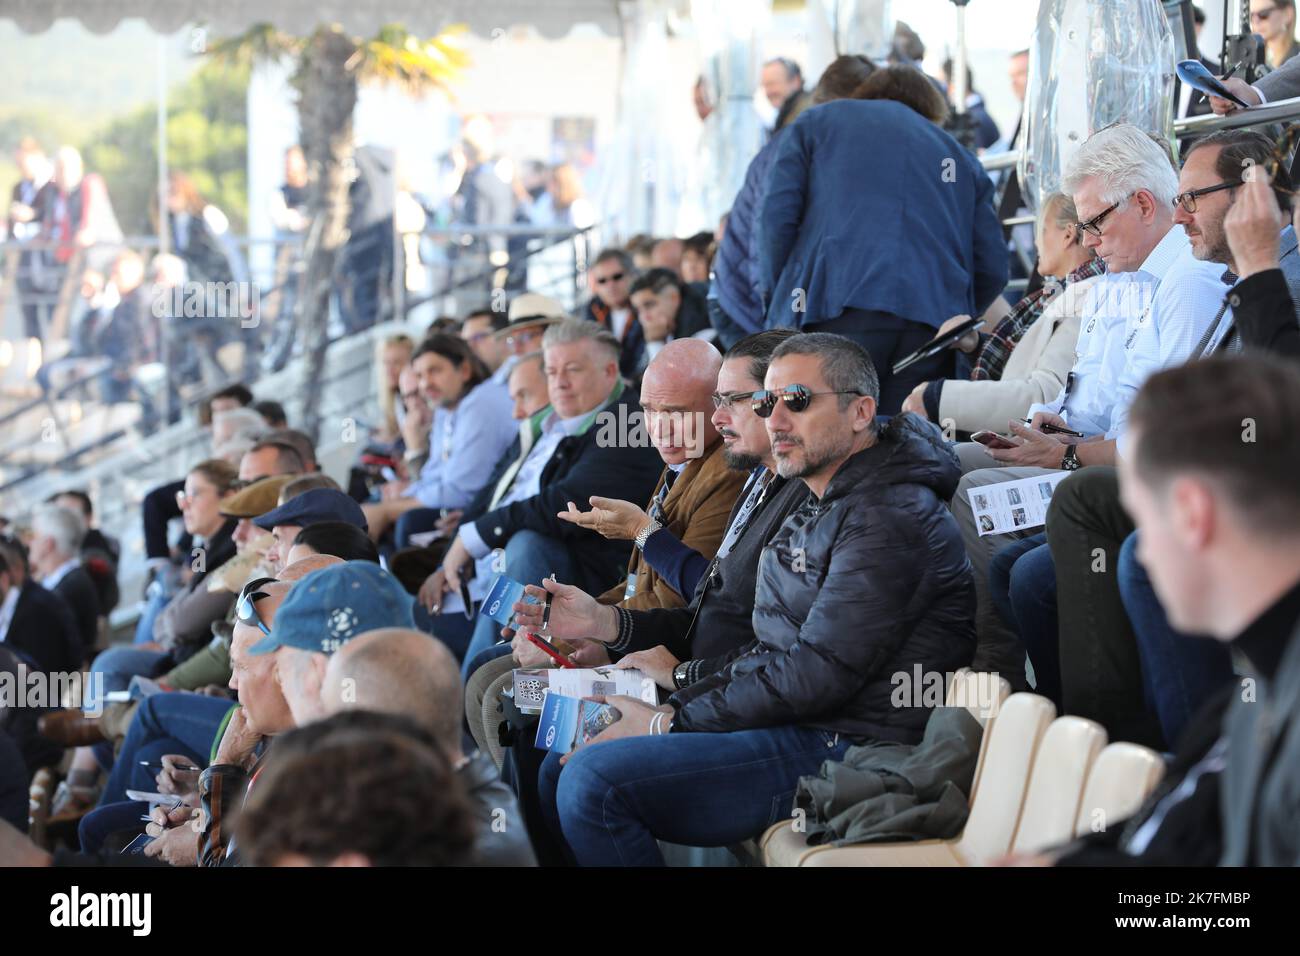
(680, 672)
(645, 533)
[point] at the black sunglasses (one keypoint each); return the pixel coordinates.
(727, 399)
(614, 278)
(246, 606)
(796, 398)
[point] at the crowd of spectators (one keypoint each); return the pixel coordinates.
(714, 471)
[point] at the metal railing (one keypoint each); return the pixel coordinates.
(1266, 115)
(451, 271)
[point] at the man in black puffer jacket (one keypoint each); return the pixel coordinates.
(865, 583)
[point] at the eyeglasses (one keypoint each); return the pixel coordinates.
(1093, 225)
(1188, 199)
(616, 277)
(727, 399)
(522, 338)
(796, 398)
(478, 337)
(184, 497)
(246, 606)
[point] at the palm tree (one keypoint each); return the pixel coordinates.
(330, 67)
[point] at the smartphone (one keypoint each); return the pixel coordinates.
(992, 440)
(136, 846)
(551, 651)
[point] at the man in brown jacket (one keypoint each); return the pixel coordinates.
(696, 490)
(692, 502)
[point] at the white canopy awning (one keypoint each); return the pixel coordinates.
(551, 18)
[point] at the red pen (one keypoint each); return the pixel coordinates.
(551, 651)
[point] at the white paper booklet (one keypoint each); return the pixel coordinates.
(1014, 505)
(531, 685)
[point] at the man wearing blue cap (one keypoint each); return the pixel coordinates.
(309, 508)
(324, 611)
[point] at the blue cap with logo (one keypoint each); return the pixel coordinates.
(329, 607)
(313, 507)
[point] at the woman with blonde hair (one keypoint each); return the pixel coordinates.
(392, 354)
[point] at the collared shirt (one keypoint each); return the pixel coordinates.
(528, 480)
(1140, 322)
(465, 444)
(502, 375)
(1185, 296)
(1086, 399)
(7, 610)
(51, 580)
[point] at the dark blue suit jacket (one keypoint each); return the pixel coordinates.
(871, 206)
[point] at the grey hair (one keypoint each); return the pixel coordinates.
(243, 422)
(1058, 209)
(846, 365)
(1123, 159)
(568, 331)
(65, 526)
(523, 360)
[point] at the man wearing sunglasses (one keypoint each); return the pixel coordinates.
(866, 581)
(610, 278)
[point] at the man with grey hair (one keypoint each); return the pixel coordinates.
(55, 558)
(1124, 185)
(590, 444)
(399, 671)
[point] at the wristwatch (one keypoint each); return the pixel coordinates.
(1071, 460)
(645, 533)
(680, 672)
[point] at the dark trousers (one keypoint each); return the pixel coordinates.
(1022, 583)
(889, 339)
(1101, 670)
(1179, 671)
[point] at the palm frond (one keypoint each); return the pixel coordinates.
(260, 43)
(397, 56)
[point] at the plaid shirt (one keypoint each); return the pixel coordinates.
(996, 349)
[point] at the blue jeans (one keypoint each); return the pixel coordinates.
(103, 821)
(415, 521)
(613, 801)
(1022, 583)
(119, 664)
(529, 557)
(453, 628)
(1178, 671)
(171, 722)
(152, 608)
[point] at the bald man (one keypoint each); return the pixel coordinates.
(696, 489)
(400, 671)
(680, 529)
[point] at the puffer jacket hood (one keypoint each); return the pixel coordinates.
(859, 595)
(909, 450)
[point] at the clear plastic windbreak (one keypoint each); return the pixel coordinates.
(1092, 63)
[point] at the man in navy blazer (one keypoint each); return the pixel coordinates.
(877, 225)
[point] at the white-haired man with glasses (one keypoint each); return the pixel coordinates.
(1161, 303)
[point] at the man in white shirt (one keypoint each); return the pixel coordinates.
(1124, 187)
